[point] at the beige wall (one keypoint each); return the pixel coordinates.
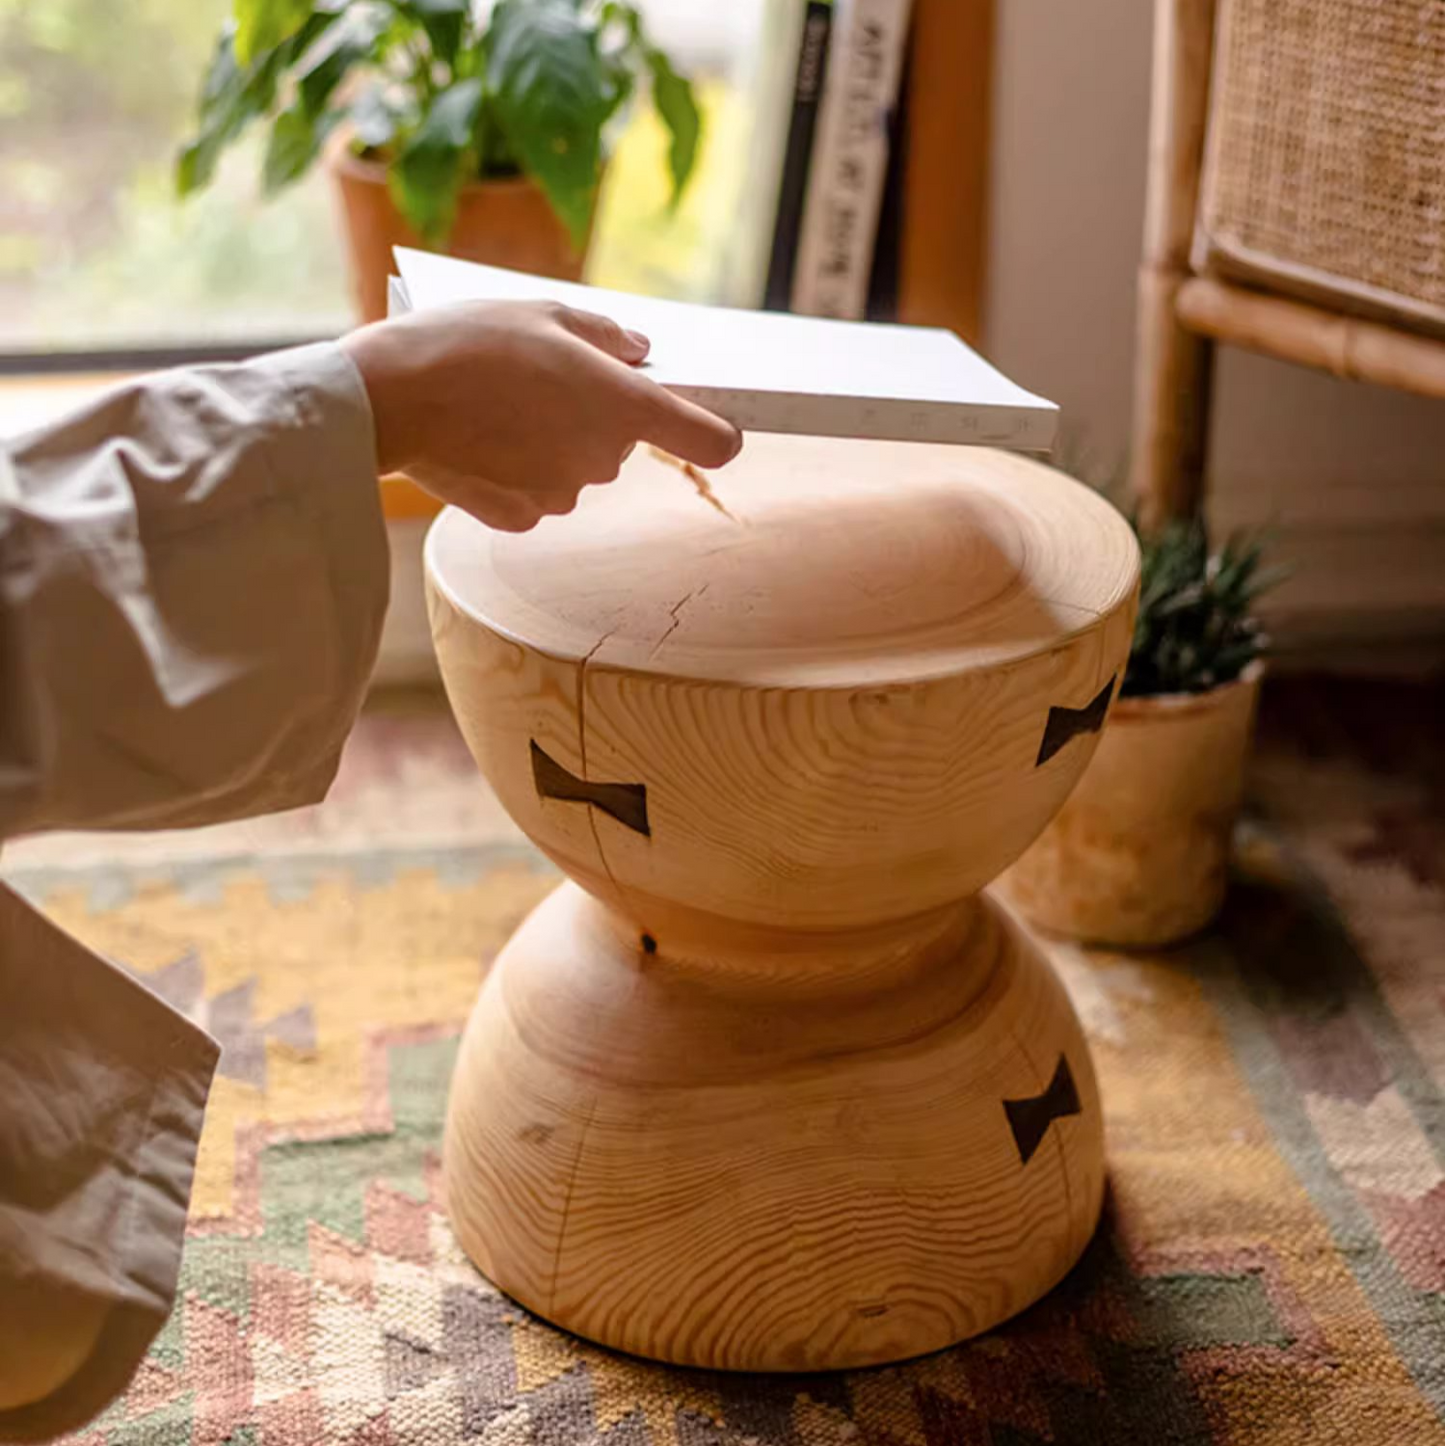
(1353, 476)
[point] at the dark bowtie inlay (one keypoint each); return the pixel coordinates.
(1066, 723)
(1029, 1119)
(626, 802)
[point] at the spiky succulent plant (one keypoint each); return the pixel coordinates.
(1196, 627)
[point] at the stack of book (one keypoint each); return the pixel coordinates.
(833, 241)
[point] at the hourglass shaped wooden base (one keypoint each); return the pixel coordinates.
(769, 1085)
(805, 1154)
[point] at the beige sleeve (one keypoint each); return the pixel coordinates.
(193, 576)
(102, 1091)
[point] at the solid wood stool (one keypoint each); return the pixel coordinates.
(771, 1086)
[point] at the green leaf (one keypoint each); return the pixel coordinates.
(495, 156)
(444, 22)
(676, 104)
(332, 58)
(672, 93)
(452, 115)
(221, 99)
(621, 80)
(374, 118)
(617, 12)
(262, 25)
(1194, 629)
(428, 170)
(296, 137)
(552, 97)
(195, 165)
(232, 96)
(224, 75)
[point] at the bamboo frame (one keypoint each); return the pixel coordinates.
(1183, 316)
(1344, 346)
(1172, 376)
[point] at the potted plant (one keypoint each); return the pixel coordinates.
(444, 126)
(1139, 853)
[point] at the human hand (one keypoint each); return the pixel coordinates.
(508, 409)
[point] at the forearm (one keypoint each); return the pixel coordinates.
(193, 576)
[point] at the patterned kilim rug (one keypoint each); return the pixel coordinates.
(1271, 1266)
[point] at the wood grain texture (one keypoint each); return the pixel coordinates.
(768, 1175)
(841, 564)
(502, 692)
(836, 701)
(740, 1103)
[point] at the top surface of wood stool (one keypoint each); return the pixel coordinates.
(835, 564)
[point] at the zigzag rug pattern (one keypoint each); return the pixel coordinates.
(1271, 1267)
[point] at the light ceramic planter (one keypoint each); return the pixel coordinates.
(499, 223)
(1139, 855)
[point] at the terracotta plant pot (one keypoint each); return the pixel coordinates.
(500, 223)
(1139, 855)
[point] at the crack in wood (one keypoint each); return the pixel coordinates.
(675, 612)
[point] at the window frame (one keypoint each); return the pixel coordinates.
(143, 358)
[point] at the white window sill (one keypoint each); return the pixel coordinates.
(31, 401)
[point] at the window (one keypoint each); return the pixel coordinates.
(95, 250)
(97, 255)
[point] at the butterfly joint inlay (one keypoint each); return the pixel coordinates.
(626, 802)
(1030, 1118)
(1066, 723)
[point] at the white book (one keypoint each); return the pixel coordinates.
(397, 300)
(771, 372)
(850, 158)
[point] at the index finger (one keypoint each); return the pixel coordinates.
(685, 429)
